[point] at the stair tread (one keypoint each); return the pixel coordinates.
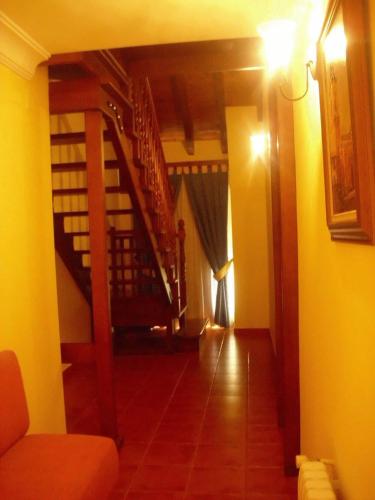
(73, 138)
(81, 166)
(122, 250)
(78, 213)
(128, 235)
(73, 191)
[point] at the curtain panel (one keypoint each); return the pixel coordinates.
(208, 195)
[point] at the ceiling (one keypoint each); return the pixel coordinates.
(192, 83)
(76, 25)
(199, 55)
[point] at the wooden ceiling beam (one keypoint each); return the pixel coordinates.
(220, 104)
(181, 104)
(207, 57)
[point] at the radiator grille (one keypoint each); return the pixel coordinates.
(314, 482)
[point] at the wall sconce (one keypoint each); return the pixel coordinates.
(278, 39)
(259, 144)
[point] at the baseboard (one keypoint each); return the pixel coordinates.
(252, 331)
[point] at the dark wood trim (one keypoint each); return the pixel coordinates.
(78, 352)
(283, 178)
(219, 93)
(102, 65)
(202, 163)
(189, 58)
(182, 108)
(99, 272)
(276, 242)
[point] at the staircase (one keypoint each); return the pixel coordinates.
(145, 266)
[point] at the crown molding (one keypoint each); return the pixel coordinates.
(18, 50)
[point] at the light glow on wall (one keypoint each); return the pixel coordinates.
(259, 144)
(335, 45)
(278, 39)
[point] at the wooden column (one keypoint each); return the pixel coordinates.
(284, 212)
(99, 272)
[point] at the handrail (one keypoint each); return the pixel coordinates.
(149, 156)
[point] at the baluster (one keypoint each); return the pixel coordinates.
(112, 233)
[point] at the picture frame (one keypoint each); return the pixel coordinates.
(343, 73)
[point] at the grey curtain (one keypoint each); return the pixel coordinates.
(176, 181)
(208, 195)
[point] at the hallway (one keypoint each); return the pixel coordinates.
(194, 427)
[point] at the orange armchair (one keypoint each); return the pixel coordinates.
(47, 466)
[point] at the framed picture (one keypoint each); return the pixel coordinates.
(344, 86)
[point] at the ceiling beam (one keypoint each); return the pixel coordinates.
(207, 57)
(181, 104)
(220, 104)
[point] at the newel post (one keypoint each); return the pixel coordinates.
(99, 272)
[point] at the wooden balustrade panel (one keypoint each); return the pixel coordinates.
(149, 157)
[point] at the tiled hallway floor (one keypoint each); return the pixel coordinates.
(195, 426)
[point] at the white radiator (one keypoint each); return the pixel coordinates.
(314, 482)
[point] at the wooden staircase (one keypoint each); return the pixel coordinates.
(120, 168)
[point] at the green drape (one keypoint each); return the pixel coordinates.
(208, 195)
(176, 181)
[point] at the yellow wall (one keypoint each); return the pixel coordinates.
(247, 180)
(28, 303)
(74, 311)
(337, 334)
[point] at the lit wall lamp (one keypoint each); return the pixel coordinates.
(259, 144)
(278, 39)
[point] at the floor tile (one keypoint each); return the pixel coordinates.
(263, 434)
(171, 478)
(178, 433)
(125, 477)
(223, 434)
(141, 495)
(169, 454)
(220, 455)
(269, 480)
(132, 453)
(217, 480)
(195, 426)
(216, 496)
(265, 455)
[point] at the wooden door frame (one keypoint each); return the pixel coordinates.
(285, 250)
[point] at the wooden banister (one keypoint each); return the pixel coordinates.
(149, 156)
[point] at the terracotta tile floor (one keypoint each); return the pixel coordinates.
(195, 426)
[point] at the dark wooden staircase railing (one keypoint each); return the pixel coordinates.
(126, 254)
(131, 127)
